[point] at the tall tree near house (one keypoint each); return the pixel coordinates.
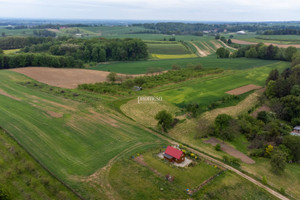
(165, 120)
(278, 161)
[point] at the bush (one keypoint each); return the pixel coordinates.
(4, 194)
(264, 180)
(218, 147)
(112, 77)
(176, 67)
(235, 162)
(282, 191)
(165, 120)
(278, 161)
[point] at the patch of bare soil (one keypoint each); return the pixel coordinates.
(65, 78)
(242, 42)
(216, 44)
(54, 114)
(262, 108)
(244, 89)
(208, 47)
(278, 45)
(53, 30)
(200, 52)
(8, 95)
(68, 78)
(230, 150)
(227, 45)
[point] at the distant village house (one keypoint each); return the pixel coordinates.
(241, 32)
(296, 131)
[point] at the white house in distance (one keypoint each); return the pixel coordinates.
(241, 32)
(296, 131)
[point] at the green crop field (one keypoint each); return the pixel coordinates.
(70, 138)
(211, 88)
(140, 67)
(23, 178)
(167, 48)
(160, 37)
(16, 32)
(277, 39)
(113, 30)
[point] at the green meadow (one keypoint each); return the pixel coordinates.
(140, 67)
(167, 48)
(212, 88)
(71, 139)
(147, 181)
(23, 178)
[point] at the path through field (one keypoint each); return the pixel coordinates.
(200, 52)
(230, 150)
(229, 47)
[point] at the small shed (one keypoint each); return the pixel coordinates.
(174, 155)
(137, 88)
(296, 131)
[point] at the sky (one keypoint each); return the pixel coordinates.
(181, 10)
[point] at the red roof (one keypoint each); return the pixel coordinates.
(176, 153)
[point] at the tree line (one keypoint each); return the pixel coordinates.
(282, 32)
(197, 28)
(261, 51)
(93, 50)
(20, 42)
(38, 59)
(69, 52)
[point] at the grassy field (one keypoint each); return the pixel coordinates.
(277, 39)
(211, 88)
(144, 183)
(167, 48)
(140, 67)
(113, 31)
(289, 180)
(230, 186)
(72, 139)
(23, 178)
(168, 56)
(17, 32)
(204, 91)
(11, 51)
(159, 37)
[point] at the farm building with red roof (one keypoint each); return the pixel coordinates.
(174, 155)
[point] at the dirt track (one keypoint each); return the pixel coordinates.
(230, 150)
(200, 52)
(229, 47)
(244, 89)
(278, 45)
(262, 108)
(8, 95)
